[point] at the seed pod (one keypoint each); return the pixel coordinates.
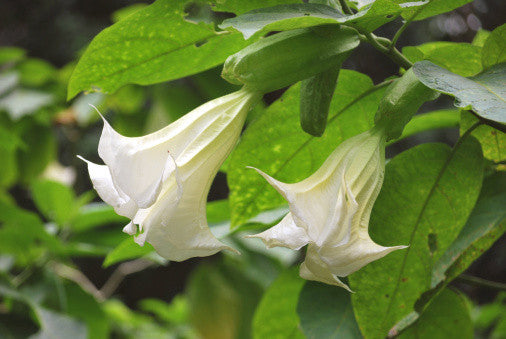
(315, 97)
(287, 57)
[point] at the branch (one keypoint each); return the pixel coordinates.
(78, 277)
(481, 282)
(384, 45)
(121, 272)
(494, 124)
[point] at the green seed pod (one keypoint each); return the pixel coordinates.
(315, 97)
(401, 101)
(282, 59)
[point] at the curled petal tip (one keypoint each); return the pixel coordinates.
(96, 109)
(130, 229)
(81, 158)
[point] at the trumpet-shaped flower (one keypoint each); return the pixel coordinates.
(330, 210)
(161, 181)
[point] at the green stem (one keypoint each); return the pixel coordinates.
(494, 124)
(481, 282)
(392, 53)
(403, 27)
(345, 7)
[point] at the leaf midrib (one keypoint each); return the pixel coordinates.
(417, 224)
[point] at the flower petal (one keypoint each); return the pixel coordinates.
(346, 259)
(103, 184)
(313, 268)
(286, 234)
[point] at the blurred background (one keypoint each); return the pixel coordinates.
(41, 133)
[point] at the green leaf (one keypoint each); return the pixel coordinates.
(23, 235)
(326, 312)
(286, 17)
(480, 37)
(55, 325)
(222, 301)
(493, 141)
(21, 102)
(276, 144)
(427, 214)
(152, 45)
(176, 312)
(55, 201)
(276, 315)
(434, 7)
(485, 93)
(241, 6)
(485, 225)
(36, 72)
(125, 12)
(126, 250)
(96, 215)
(445, 118)
(218, 211)
(40, 150)
(446, 317)
(494, 49)
(52, 324)
(9, 168)
(460, 58)
(84, 307)
(11, 54)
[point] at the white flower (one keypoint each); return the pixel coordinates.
(161, 181)
(330, 210)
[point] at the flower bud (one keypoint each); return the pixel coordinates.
(282, 59)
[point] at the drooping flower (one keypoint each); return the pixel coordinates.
(161, 181)
(330, 210)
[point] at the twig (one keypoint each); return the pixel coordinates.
(494, 124)
(345, 7)
(121, 272)
(78, 277)
(481, 282)
(392, 52)
(403, 27)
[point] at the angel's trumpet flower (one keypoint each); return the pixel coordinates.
(161, 181)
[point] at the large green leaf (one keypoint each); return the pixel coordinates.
(287, 17)
(446, 317)
(56, 201)
(152, 45)
(23, 235)
(460, 58)
(52, 324)
(485, 93)
(96, 215)
(434, 7)
(485, 225)
(493, 141)
(276, 315)
(55, 325)
(241, 6)
(84, 307)
(445, 118)
(428, 193)
(276, 144)
(222, 301)
(325, 312)
(494, 49)
(126, 250)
